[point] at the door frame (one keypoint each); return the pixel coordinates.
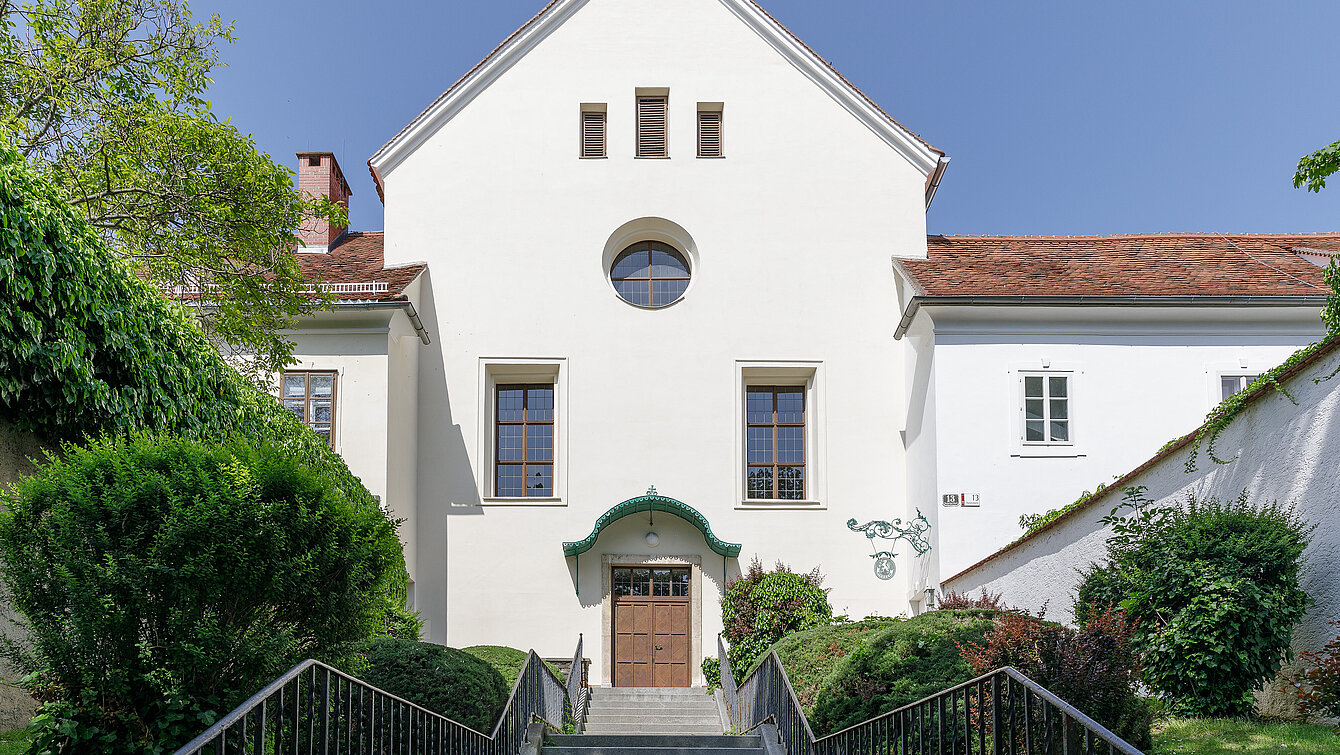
(607, 563)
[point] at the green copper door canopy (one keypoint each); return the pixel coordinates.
(654, 503)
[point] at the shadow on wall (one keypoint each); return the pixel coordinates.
(17, 452)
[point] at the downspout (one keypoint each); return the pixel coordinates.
(933, 180)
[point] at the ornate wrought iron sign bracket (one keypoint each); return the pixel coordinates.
(914, 533)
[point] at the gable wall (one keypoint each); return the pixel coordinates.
(794, 230)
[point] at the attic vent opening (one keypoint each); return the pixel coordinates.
(652, 140)
(314, 161)
(709, 131)
(593, 132)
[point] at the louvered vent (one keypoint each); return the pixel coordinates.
(709, 133)
(651, 127)
(593, 134)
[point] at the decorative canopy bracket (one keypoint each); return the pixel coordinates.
(914, 533)
(651, 503)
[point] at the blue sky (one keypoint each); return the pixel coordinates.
(1061, 117)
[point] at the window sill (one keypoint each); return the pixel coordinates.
(773, 503)
(1057, 452)
(651, 157)
(495, 501)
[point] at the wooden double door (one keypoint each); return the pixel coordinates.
(651, 626)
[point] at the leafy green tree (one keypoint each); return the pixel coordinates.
(107, 98)
(1314, 169)
(162, 580)
(1212, 590)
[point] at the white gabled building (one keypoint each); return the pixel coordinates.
(649, 244)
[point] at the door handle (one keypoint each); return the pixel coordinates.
(658, 647)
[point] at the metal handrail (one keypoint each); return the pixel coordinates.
(728, 688)
(999, 712)
(315, 707)
(578, 693)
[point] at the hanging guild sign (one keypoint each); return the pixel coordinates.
(914, 533)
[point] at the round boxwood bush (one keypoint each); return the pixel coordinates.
(451, 682)
(761, 607)
(860, 670)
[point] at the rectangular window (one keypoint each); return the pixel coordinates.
(652, 126)
(1046, 409)
(311, 398)
(775, 442)
(1231, 384)
(593, 133)
(524, 441)
(709, 133)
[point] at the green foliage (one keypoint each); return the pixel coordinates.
(507, 661)
(1212, 590)
(1314, 169)
(1094, 668)
(1031, 523)
(712, 674)
(106, 99)
(1317, 685)
(453, 683)
(88, 347)
(846, 673)
(163, 580)
(761, 607)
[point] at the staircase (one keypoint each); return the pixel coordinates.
(652, 721)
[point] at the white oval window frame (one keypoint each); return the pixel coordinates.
(650, 229)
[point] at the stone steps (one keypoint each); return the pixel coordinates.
(644, 744)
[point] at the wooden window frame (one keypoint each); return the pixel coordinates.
(721, 132)
(600, 116)
(775, 464)
(665, 126)
(307, 397)
(651, 279)
(524, 423)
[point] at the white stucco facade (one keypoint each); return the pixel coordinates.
(1139, 376)
(788, 237)
(1281, 452)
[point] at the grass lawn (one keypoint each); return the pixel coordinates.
(1213, 736)
(13, 742)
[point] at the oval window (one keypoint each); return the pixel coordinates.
(650, 274)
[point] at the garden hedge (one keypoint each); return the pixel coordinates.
(451, 682)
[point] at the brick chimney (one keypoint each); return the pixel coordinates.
(319, 174)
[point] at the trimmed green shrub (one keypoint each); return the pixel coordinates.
(451, 682)
(761, 607)
(1094, 668)
(1212, 590)
(508, 661)
(163, 580)
(884, 665)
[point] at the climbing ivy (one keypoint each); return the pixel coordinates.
(1222, 415)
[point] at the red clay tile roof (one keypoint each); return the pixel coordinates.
(1160, 264)
(355, 269)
